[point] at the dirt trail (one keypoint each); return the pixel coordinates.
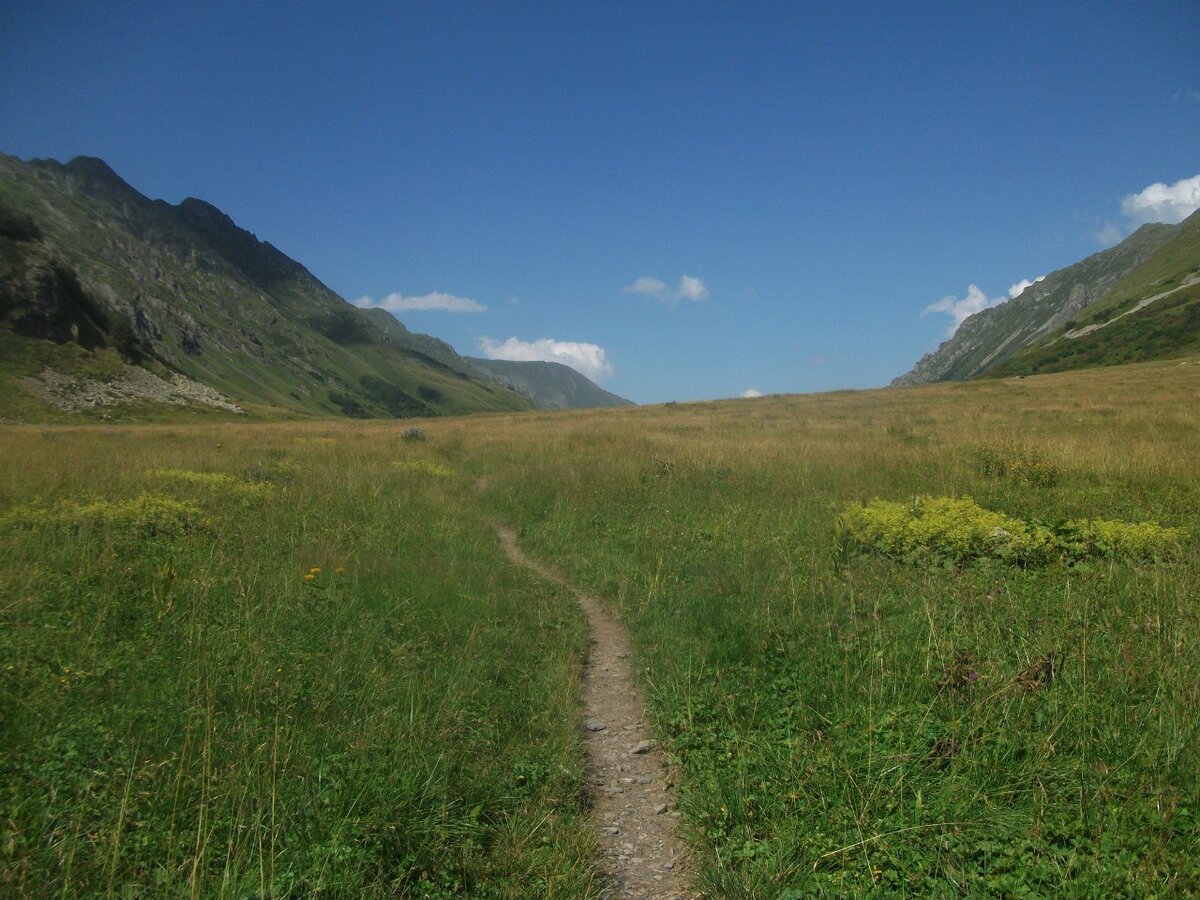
(633, 808)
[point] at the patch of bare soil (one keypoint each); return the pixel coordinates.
(632, 802)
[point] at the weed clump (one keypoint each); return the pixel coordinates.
(145, 516)
(413, 434)
(1017, 464)
(1083, 538)
(961, 673)
(1040, 673)
(217, 481)
(426, 467)
(937, 529)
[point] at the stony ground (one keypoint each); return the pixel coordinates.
(72, 394)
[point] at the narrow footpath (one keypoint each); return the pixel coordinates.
(632, 804)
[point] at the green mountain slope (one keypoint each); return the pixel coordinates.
(549, 385)
(422, 346)
(988, 339)
(1151, 313)
(103, 290)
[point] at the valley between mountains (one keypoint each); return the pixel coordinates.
(261, 634)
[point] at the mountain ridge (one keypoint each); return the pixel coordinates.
(183, 292)
(548, 385)
(998, 338)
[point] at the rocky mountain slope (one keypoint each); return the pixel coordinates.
(548, 385)
(1017, 336)
(115, 304)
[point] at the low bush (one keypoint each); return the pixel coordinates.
(147, 515)
(1133, 540)
(1017, 463)
(959, 530)
(943, 528)
(216, 481)
(426, 467)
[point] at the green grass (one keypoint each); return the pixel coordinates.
(185, 712)
(869, 726)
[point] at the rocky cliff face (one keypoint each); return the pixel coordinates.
(992, 336)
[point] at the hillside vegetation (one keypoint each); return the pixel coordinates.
(1151, 313)
(291, 658)
(1066, 320)
(108, 300)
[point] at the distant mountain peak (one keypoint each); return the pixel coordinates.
(1041, 321)
(549, 385)
(202, 209)
(93, 172)
(95, 276)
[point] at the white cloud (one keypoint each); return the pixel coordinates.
(1110, 235)
(445, 302)
(1164, 203)
(651, 287)
(589, 360)
(1017, 289)
(975, 301)
(752, 392)
(690, 288)
(959, 310)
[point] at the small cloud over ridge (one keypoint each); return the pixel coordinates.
(1110, 235)
(1170, 203)
(589, 360)
(960, 309)
(651, 287)
(751, 393)
(1018, 289)
(434, 301)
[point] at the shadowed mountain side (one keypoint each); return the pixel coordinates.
(549, 385)
(95, 277)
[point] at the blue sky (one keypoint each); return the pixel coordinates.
(686, 200)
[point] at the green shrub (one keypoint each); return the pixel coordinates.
(1133, 540)
(958, 530)
(425, 467)
(943, 528)
(147, 515)
(217, 481)
(1017, 463)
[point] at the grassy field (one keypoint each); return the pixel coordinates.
(186, 711)
(242, 661)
